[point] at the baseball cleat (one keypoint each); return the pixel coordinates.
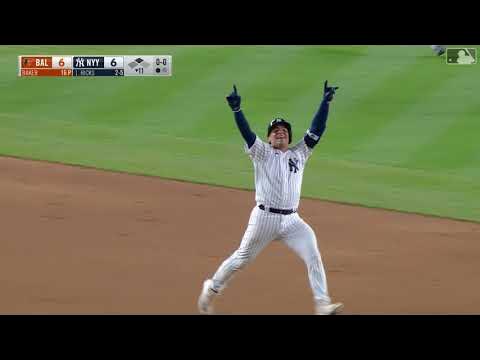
(328, 309)
(206, 298)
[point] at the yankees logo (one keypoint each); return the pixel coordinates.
(293, 165)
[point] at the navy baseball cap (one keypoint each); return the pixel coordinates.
(279, 121)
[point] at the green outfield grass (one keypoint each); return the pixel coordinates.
(402, 131)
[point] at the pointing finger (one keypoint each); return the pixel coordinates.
(234, 89)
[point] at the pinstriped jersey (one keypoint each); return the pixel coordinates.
(278, 175)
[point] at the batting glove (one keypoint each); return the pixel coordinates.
(328, 91)
(234, 100)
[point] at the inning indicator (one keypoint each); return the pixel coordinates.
(93, 65)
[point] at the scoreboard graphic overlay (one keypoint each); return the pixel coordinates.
(90, 65)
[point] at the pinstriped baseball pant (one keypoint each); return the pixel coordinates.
(264, 227)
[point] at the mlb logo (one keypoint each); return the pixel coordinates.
(461, 56)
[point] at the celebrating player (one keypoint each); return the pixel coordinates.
(278, 182)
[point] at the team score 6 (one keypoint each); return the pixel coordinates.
(119, 72)
(113, 63)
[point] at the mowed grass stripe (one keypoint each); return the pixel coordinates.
(394, 188)
(385, 105)
(455, 148)
(187, 160)
(428, 114)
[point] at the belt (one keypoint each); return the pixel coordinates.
(278, 211)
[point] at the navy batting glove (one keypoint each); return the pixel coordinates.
(328, 91)
(234, 99)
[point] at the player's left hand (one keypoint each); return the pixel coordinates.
(328, 91)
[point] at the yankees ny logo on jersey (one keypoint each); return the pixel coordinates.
(293, 165)
(274, 187)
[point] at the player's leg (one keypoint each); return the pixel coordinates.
(261, 230)
(300, 237)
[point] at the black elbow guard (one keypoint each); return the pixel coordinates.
(311, 139)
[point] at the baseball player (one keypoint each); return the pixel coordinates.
(438, 49)
(278, 182)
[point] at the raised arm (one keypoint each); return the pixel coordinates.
(234, 101)
(319, 122)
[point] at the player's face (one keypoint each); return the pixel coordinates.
(279, 137)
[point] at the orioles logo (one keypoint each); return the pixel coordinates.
(28, 62)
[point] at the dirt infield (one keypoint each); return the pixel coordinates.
(78, 241)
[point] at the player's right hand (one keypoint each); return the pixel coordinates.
(234, 99)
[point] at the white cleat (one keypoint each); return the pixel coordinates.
(206, 298)
(328, 309)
